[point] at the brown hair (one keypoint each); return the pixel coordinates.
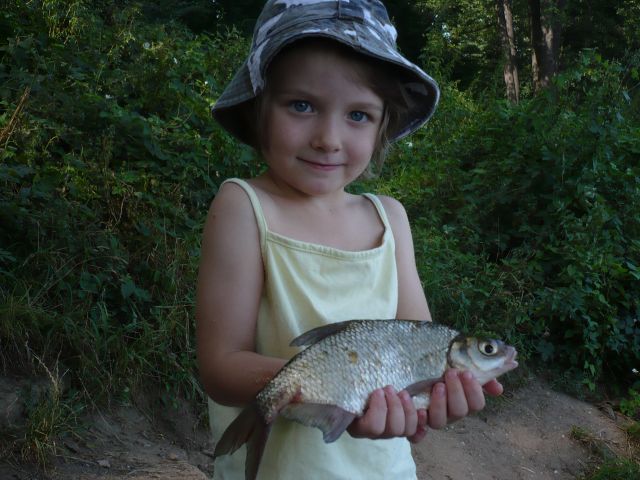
(381, 77)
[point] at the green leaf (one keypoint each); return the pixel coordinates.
(127, 288)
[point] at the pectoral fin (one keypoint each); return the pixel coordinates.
(331, 419)
(423, 386)
(421, 400)
(421, 392)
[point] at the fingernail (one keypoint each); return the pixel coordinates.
(390, 389)
(438, 390)
(405, 395)
(451, 374)
(467, 375)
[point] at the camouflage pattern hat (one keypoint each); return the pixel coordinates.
(363, 25)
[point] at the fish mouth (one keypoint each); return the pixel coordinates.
(510, 361)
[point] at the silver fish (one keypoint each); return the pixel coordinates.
(328, 384)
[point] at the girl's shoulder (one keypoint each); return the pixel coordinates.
(232, 207)
(231, 197)
(398, 220)
(394, 209)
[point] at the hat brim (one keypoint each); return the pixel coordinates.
(231, 108)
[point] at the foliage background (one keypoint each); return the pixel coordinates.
(525, 215)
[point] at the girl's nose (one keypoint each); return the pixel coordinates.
(326, 136)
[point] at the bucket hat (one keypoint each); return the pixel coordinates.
(363, 25)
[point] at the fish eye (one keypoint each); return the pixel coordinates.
(488, 347)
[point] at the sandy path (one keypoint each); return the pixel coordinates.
(524, 435)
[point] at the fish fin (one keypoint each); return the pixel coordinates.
(255, 448)
(316, 334)
(422, 400)
(422, 386)
(238, 432)
(248, 427)
(331, 419)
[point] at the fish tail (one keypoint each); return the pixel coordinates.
(249, 428)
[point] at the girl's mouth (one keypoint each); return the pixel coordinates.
(326, 167)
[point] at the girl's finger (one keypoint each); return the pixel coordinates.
(493, 388)
(410, 414)
(421, 430)
(473, 392)
(457, 406)
(395, 414)
(372, 423)
(437, 413)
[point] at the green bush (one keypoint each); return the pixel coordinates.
(106, 173)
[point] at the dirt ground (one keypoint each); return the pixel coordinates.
(527, 434)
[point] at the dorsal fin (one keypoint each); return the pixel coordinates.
(316, 334)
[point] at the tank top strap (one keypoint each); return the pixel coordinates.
(257, 208)
(381, 211)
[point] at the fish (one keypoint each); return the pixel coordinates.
(328, 384)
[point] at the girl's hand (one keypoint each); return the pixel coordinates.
(390, 414)
(457, 397)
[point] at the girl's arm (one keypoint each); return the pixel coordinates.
(230, 282)
(412, 303)
(390, 414)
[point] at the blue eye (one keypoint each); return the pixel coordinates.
(358, 116)
(301, 106)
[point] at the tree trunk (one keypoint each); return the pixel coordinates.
(505, 21)
(546, 30)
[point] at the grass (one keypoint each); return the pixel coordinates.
(51, 414)
(633, 432)
(610, 465)
(615, 470)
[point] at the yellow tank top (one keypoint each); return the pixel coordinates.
(308, 285)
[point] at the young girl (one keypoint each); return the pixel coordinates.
(320, 96)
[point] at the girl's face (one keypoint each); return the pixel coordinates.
(320, 121)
